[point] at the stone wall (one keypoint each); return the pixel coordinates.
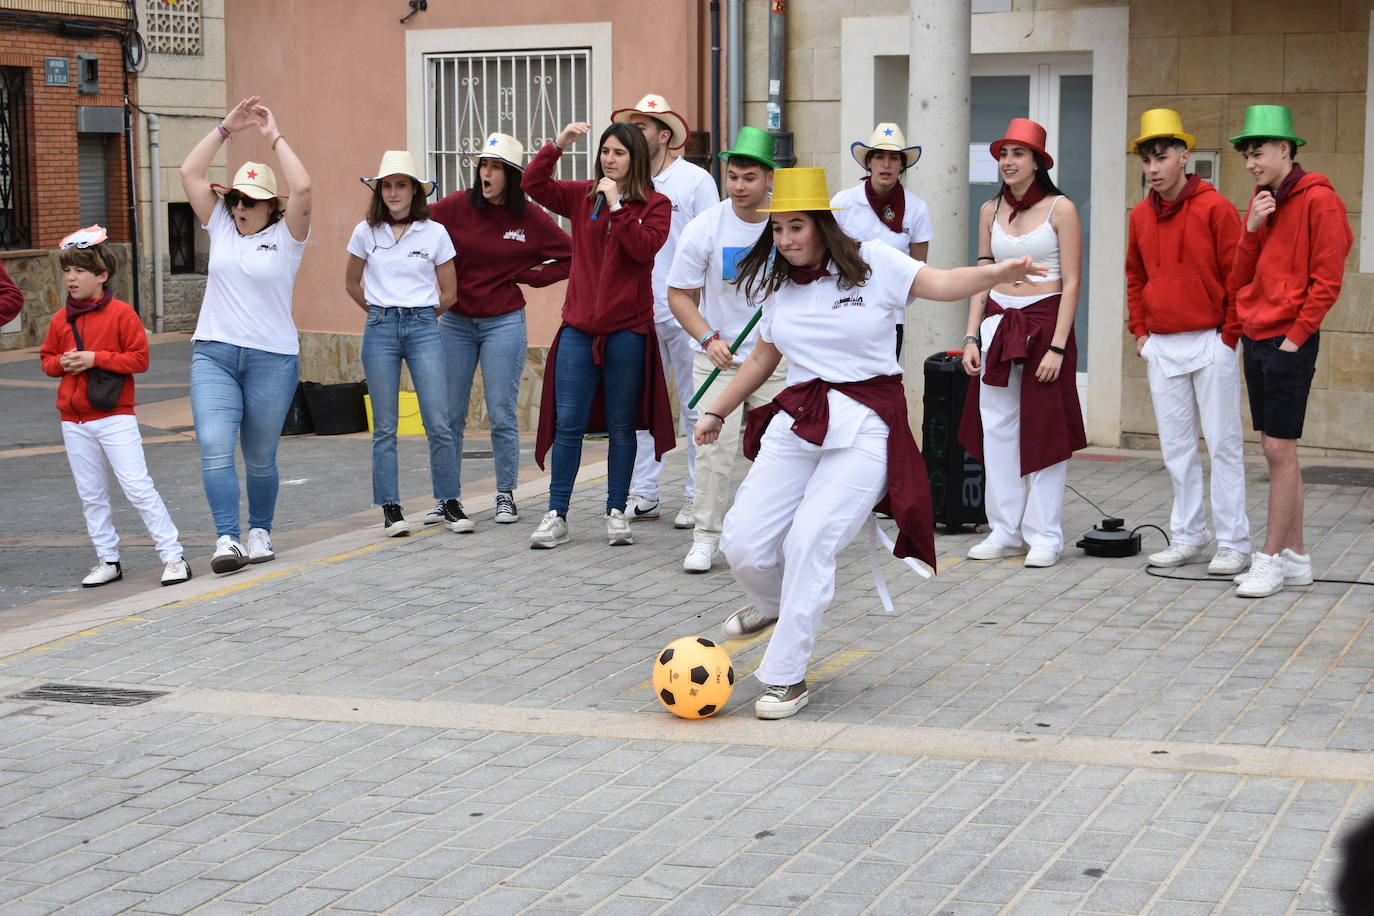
(39, 275)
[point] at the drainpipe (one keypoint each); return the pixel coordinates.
(734, 70)
(777, 67)
(155, 210)
(715, 90)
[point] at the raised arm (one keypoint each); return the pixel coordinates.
(538, 181)
(195, 169)
(298, 205)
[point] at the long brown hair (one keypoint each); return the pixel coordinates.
(377, 210)
(763, 271)
(638, 181)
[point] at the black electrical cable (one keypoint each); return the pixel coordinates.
(1088, 501)
(1167, 542)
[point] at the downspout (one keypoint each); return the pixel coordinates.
(734, 70)
(715, 90)
(155, 210)
(133, 187)
(777, 68)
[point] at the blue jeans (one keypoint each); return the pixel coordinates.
(393, 334)
(498, 343)
(240, 395)
(575, 383)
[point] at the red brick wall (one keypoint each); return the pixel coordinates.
(53, 196)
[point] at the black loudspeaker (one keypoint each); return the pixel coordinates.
(957, 480)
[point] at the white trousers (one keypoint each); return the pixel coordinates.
(797, 509)
(1020, 509)
(1208, 400)
(675, 349)
(116, 439)
(715, 464)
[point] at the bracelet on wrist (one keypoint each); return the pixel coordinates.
(972, 339)
(708, 337)
(712, 413)
(987, 257)
(274, 143)
(223, 132)
(1054, 349)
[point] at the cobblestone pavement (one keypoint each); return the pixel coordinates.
(446, 722)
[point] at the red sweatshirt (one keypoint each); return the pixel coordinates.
(120, 344)
(497, 250)
(609, 287)
(11, 298)
(1178, 263)
(1289, 273)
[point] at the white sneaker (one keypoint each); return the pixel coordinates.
(1264, 578)
(103, 573)
(991, 550)
(1228, 562)
(1039, 557)
(686, 516)
(229, 555)
(700, 557)
(1179, 555)
(618, 532)
(176, 572)
(1297, 568)
(260, 546)
(746, 622)
(435, 516)
(779, 702)
(551, 532)
(641, 509)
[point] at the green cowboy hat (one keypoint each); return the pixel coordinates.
(1268, 122)
(752, 143)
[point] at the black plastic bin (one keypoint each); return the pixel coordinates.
(298, 422)
(957, 480)
(336, 409)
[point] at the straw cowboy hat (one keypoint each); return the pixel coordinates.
(253, 179)
(400, 162)
(502, 147)
(1161, 124)
(886, 136)
(1268, 122)
(799, 189)
(656, 106)
(1023, 132)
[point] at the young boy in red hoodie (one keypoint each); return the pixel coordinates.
(1288, 272)
(1183, 239)
(111, 338)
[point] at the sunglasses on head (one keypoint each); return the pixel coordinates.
(234, 198)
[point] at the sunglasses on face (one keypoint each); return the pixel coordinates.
(234, 198)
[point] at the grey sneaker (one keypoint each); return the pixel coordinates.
(618, 532)
(435, 516)
(746, 622)
(552, 531)
(686, 516)
(779, 702)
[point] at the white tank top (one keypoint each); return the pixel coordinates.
(1041, 243)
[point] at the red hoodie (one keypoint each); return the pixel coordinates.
(1289, 273)
(120, 344)
(609, 286)
(1178, 263)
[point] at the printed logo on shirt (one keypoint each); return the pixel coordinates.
(730, 256)
(419, 253)
(515, 235)
(849, 302)
(266, 247)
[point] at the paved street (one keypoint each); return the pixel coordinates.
(456, 723)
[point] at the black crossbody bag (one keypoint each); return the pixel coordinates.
(103, 387)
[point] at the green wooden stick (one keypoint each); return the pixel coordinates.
(733, 347)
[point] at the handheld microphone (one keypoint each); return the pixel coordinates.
(598, 205)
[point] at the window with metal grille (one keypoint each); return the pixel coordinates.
(14, 158)
(181, 238)
(172, 26)
(529, 95)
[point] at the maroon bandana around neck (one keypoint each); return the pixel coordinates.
(1167, 208)
(403, 221)
(1286, 186)
(1034, 194)
(889, 207)
(804, 275)
(78, 307)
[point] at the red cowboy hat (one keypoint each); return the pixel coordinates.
(1023, 132)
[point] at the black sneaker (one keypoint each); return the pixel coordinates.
(393, 522)
(506, 513)
(456, 519)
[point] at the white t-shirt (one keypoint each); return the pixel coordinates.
(707, 255)
(400, 273)
(692, 191)
(860, 223)
(248, 286)
(842, 335)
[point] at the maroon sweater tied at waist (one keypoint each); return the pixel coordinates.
(907, 498)
(1051, 418)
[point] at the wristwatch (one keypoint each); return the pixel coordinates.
(972, 339)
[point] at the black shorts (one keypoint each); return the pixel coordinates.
(1278, 383)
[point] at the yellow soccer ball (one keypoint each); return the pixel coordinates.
(693, 677)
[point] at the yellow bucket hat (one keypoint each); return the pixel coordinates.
(1160, 124)
(799, 189)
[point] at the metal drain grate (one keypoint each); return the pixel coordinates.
(94, 696)
(1339, 476)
